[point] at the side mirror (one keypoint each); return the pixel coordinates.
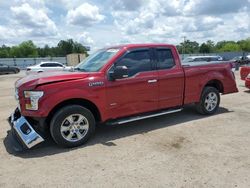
(119, 73)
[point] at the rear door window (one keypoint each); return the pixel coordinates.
(165, 59)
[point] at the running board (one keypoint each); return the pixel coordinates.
(136, 118)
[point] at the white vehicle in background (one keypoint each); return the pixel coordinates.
(205, 60)
(46, 67)
(201, 59)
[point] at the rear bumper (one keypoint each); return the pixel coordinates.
(231, 89)
(23, 133)
(247, 83)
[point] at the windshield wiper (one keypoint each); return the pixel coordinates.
(79, 69)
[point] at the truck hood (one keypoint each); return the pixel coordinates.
(33, 80)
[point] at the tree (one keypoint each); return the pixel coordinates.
(188, 47)
(4, 51)
(28, 49)
(65, 47)
(207, 47)
(244, 44)
(230, 47)
(25, 49)
(204, 48)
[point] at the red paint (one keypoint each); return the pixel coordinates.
(247, 83)
(124, 97)
(244, 71)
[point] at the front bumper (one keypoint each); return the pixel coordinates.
(23, 131)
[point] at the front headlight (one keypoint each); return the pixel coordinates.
(31, 99)
(248, 76)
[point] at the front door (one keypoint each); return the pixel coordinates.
(139, 92)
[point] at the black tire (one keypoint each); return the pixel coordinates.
(60, 117)
(202, 108)
(17, 71)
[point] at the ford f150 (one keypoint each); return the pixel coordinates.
(115, 85)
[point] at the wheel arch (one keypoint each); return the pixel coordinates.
(216, 84)
(76, 101)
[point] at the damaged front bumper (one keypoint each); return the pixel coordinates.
(23, 132)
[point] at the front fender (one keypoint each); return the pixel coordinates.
(53, 97)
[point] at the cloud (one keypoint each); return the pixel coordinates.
(84, 15)
(200, 24)
(97, 22)
(127, 5)
(36, 21)
(85, 39)
(209, 7)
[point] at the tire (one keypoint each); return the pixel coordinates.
(209, 101)
(66, 128)
(17, 71)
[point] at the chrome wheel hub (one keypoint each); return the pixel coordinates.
(211, 101)
(74, 127)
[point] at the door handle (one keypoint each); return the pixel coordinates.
(152, 81)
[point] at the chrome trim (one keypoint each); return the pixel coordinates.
(148, 116)
(32, 138)
(152, 81)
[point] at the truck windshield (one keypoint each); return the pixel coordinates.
(96, 61)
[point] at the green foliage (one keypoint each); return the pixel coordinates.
(230, 47)
(29, 49)
(64, 47)
(188, 47)
(244, 44)
(207, 47)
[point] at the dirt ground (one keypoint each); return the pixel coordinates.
(177, 150)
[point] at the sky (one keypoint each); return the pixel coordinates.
(100, 23)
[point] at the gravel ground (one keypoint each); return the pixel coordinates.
(177, 150)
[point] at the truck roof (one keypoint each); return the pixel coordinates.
(140, 45)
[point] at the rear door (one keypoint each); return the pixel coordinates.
(139, 92)
(170, 78)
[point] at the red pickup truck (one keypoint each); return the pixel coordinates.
(115, 85)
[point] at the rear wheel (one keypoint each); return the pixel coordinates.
(15, 71)
(209, 101)
(72, 126)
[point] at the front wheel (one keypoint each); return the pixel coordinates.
(72, 126)
(209, 101)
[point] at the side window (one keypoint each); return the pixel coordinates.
(199, 59)
(56, 65)
(44, 65)
(136, 61)
(165, 59)
(214, 59)
(52, 64)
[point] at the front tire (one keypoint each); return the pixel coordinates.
(72, 126)
(209, 101)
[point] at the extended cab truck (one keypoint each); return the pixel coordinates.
(114, 85)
